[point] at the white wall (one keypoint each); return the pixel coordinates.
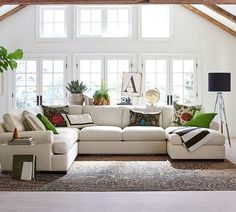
(192, 34)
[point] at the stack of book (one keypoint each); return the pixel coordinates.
(21, 141)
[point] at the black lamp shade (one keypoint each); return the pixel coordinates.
(219, 82)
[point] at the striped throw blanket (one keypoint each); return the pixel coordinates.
(192, 137)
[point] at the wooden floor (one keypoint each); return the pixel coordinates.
(119, 202)
(122, 201)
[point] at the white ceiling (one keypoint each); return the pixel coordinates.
(6, 8)
(217, 16)
(231, 8)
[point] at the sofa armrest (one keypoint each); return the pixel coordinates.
(40, 137)
(214, 125)
(2, 128)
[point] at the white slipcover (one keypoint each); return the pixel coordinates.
(101, 133)
(140, 133)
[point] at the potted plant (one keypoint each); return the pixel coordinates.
(8, 60)
(76, 89)
(101, 96)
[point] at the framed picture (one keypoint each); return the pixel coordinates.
(131, 84)
(1, 84)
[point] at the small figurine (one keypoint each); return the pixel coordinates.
(16, 134)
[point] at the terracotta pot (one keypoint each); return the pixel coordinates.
(76, 99)
(101, 101)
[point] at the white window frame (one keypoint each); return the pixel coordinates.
(68, 20)
(170, 58)
(39, 58)
(104, 22)
(170, 38)
(103, 57)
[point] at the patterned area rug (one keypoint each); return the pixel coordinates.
(123, 173)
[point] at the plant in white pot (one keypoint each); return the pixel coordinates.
(76, 89)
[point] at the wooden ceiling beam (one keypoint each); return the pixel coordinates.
(11, 12)
(31, 2)
(208, 18)
(222, 12)
(117, 1)
(193, 1)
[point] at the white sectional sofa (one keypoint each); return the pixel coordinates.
(110, 135)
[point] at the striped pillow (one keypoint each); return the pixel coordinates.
(32, 122)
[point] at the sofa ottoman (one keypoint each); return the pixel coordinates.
(214, 149)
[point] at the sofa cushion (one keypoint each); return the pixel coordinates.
(65, 140)
(75, 109)
(217, 137)
(32, 122)
(201, 119)
(144, 118)
(105, 115)
(14, 120)
(167, 116)
(184, 113)
(54, 115)
(101, 133)
(78, 121)
(138, 133)
(126, 113)
(47, 124)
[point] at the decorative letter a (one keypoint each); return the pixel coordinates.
(131, 85)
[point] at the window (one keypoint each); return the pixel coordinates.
(173, 77)
(117, 23)
(156, 76)
(26, 84)
(39, 81)
(90, 22)
(183, 81)
(106, 21)
(53, 21)
(114, 72)
(155, 21)
(53, 81)
(90, 72)
(91, 69)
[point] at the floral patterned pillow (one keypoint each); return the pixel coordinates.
(54, 115)
(184, 113)
(144, 119)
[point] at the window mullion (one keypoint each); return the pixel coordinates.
(104, 22)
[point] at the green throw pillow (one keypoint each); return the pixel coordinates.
(201, 119)
(48, 125)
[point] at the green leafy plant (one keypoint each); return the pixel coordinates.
(76, 87)
(9, 59)
(102, 92)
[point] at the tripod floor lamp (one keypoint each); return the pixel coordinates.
(220, 82)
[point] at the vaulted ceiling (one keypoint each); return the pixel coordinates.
(221, 15)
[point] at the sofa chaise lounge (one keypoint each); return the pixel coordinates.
(110, 135)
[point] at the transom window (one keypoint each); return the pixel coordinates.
(155, 21)
(106, 21)
(53, 21)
